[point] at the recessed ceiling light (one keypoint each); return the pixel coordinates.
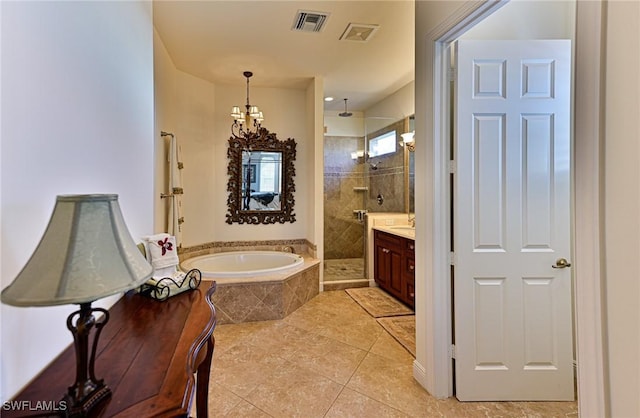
(328, 99)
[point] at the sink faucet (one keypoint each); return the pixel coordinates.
(412, 220)
(288, 249)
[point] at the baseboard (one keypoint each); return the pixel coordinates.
(420, 373)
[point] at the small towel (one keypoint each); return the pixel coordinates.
(163, 251)
(175, 217)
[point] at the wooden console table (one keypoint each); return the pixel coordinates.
(148, 354)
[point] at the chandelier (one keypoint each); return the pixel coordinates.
(249, 121)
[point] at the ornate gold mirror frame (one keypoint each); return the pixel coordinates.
(260, 141)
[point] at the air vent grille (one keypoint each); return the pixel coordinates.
(358, 32)
(307, 21)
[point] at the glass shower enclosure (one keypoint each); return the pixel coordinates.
(366, 169)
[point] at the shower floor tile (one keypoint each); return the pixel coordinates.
(344, 269)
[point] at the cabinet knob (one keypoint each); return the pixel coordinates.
(384, 250)
(412, 268)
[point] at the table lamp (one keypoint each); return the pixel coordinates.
(85, 254)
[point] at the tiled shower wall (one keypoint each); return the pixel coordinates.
(343, 176)
(387, 179)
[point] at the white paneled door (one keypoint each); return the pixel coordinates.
(512, 289)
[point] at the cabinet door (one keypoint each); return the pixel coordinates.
(409, 279)
(395, 276)
(382, 268)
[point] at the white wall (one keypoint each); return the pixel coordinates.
(335, 125)
(195, 132)
(544, 20)
(622, 206)
(77, 117)
(197, 112)
(285, 114)
(315, 159)
(397, 106)
(165, 78)
(185, 106)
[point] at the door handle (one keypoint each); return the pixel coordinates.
(561, 263)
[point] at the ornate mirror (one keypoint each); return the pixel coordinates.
(260, 182)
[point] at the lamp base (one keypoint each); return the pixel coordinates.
(87, 392)
(80, 408)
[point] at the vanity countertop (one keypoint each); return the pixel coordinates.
(405, 231)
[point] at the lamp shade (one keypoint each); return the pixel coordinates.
(85, 254)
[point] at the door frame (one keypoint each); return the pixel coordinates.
(432, 367)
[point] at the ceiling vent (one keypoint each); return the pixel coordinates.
(358, 32)
(307, 21)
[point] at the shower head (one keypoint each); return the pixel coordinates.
(345, 114)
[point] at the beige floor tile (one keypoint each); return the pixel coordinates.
(327, 357)
(391, 382)
(221, 401)
(331, 358)
(278, 336)
(292, 391)
(244, 410)
(388, 347)
(454, 409)
(356, 405)
(361, 334)
(242, 368)
(310, 319)
(228, 335)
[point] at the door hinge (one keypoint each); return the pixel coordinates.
(452, 351)
(452, 258)
(451, 74)
(452, 166)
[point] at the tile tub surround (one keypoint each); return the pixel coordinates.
(300, 246)
(265, 297)
(273, 297)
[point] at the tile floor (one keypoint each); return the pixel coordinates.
(343, 269)
(344, 273)
(331, 359)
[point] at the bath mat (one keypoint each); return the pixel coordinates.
(377, 302)
(403, 329)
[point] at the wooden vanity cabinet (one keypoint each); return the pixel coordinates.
(409, 271)
(394, 265)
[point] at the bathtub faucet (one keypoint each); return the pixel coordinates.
(288, 249)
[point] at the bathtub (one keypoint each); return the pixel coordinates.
(257, 285)
(238, 264)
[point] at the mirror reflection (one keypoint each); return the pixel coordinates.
(261, 180)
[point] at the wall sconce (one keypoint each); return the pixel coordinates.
(357, 154)
(408, 141)
(85, 254)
